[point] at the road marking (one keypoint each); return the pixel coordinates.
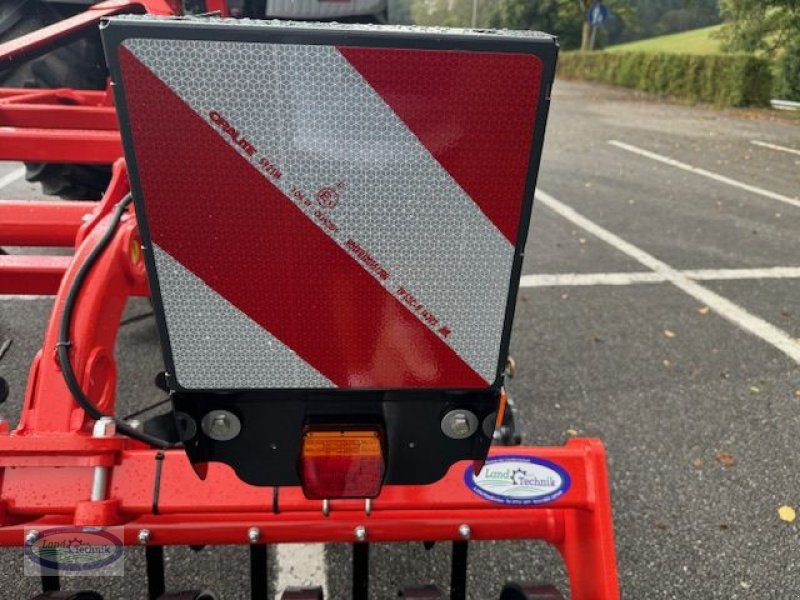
(301, 565)
(11, 177)
(765, 273)
(559, 279)
(775, 147)
(734, 313)
(634, 277)
(711, 175)
(4, 297)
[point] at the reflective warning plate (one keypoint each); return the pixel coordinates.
(331, 206)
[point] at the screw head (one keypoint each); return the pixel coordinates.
(464, 531)
(31, 537)
(253, 535)
(144, 536)
(187, 428)
(489, 425)
(221, 425)
(361, 533)
(459, 424)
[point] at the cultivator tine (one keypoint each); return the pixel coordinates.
(258, 571)
(50, 579)
(361, 571)
(50, 583)
(154, 561)
(458, 571)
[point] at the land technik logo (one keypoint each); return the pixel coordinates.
(518, 480)
(71, 550)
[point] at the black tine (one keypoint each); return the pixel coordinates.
(458, 571)
(361, 571)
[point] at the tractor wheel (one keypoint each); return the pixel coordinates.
(78, 65)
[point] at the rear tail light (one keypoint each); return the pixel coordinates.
(341, 462)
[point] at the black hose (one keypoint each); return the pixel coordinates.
(64, 343)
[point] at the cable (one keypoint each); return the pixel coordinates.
(64, 343)
(141, 411)
(135, 319)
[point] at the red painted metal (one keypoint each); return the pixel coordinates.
(218, 6)
(54, 223)
(31, 274)
(60, 145)
(56, 109)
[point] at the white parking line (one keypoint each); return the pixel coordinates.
(301, 565)
(765, 273)
(734, 313)
(4, 297)
(711, 175)
(634, 277)
(11, 177)
(559, 279)
(775, 147)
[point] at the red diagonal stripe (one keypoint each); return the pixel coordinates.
(215, 214)
(473, 111)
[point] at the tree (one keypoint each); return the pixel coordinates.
(542, 15)
(769, 26)
(564, 18)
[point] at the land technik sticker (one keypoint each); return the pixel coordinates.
(518, 480)
(72, 550)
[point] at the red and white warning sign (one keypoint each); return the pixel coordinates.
(323, 215)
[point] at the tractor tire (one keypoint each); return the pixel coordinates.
(78, 65)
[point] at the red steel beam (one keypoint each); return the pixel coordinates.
(38, 275)
(54, 460)
(64, 95)
(222, 492)
(60, 145)
(222, 509)
(58, 116)
(52, 223)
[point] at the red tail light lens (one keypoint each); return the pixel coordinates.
(342, 463)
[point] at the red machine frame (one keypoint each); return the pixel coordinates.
(52, 447)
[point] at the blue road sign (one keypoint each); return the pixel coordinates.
(597, 15)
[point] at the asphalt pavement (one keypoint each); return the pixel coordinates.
(660, 312)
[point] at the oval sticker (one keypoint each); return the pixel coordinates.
(75, 549)
(512, 479)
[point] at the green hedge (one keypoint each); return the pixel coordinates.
(787, 76)
(721, 79)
